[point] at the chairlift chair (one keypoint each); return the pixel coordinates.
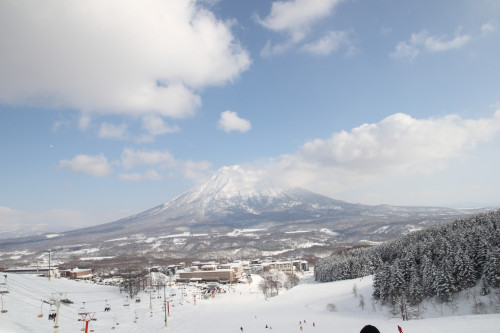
(107, 307)
(52, 313)
(82, 309)
(4, 287)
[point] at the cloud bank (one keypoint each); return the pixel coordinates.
(372, 153)
(137, 57)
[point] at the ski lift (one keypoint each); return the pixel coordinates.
(4, 287)
(41, 311)
(82, 309)
(126, 302)
(107, 307)
(3, 310)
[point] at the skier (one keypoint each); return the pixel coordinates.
(400, 329)
(241, 328)
(314, 324)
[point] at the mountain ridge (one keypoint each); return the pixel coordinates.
(237, 213)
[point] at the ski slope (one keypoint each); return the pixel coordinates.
(242, 305)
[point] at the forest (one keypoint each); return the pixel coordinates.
(436, 262)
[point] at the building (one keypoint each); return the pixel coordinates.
(209, 271)
(78, 273)
(301, 265)
(216, 275)
(38, 270)
(236, 267)
(283, 266)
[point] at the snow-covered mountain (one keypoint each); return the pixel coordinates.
(238, 197)
(236, 213)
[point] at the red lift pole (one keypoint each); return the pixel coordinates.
(87, 317)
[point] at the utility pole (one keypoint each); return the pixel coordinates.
(49, 265)
(165, 303)
(87, 317)
(56, 299)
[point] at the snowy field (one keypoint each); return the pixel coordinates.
(242, 305)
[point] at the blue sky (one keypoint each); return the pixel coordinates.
(108, 108)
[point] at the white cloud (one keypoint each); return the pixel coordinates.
(155, 125)
(271, 49)
(164, 160)
(135, 177)
(331, 42)
(132, 158)
(487, 28)
(137, 57)
(83, 122)
(438, 44)
(371, 153)
(110, 131)
(295, 17)
(384, 30)
(229, 121)
(419, 42)
(151, 124)
(95, 166)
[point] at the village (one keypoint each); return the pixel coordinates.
(196, 272)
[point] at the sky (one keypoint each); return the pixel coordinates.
(109, 108)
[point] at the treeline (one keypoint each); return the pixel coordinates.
(436, 262)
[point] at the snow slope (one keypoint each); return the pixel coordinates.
(242, 305)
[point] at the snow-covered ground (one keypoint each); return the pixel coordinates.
(242, 305)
